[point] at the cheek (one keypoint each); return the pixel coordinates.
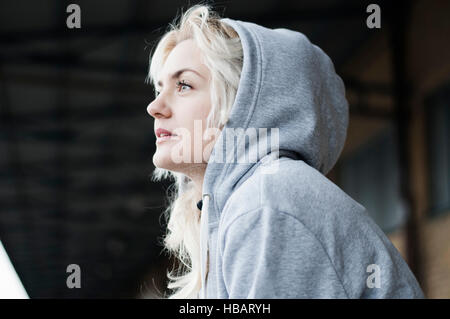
(203, 113)
(202, 105)
(192, 117)
(194, 109)
(197, 114)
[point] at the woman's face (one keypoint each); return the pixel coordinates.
(181, 107)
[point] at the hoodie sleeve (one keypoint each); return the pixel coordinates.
(270, 254)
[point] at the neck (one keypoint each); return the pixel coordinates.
(197, 174)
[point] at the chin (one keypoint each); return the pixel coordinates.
(162, 160)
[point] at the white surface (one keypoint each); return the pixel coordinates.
(10, 285)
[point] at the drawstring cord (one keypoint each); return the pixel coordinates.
(204, 205)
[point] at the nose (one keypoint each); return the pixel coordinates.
(158, 108)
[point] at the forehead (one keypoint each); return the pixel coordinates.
(186, 54)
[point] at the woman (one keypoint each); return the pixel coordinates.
(249, 220)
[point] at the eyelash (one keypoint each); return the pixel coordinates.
(182, 83)
(178, 84)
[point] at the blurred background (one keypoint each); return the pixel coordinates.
(76, 142)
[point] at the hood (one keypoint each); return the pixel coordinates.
(289, 84)
(286, 83)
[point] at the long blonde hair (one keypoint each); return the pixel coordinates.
(223, 55)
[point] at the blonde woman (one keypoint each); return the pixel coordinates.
(248, 122)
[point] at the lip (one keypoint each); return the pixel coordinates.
(160, 139)
(166, 138)
(160, 131)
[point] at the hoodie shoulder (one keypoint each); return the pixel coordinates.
(351, 239)
(295, 187)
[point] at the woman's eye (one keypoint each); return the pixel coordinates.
(182, 84)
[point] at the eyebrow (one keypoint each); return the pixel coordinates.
(178, 73)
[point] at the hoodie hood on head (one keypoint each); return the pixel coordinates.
(286, 83)
(289, 233)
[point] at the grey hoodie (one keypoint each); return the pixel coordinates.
(276, 227)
